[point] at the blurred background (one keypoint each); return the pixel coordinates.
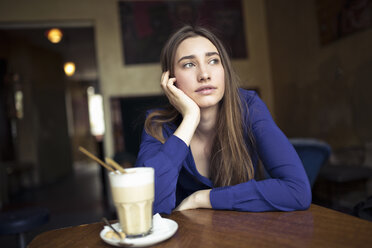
(82, 73)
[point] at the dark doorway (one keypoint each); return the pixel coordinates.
(131, 114)
(54, 119)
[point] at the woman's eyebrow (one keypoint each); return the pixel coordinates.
(211, 54)
(186, 57)
(208, 54)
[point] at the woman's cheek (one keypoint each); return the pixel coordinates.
(180, 82)
(183, 88)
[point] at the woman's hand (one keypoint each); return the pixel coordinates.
(185, 105)
(199, 199)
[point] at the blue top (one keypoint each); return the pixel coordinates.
(176, 176)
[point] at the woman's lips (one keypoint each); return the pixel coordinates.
(205, 90)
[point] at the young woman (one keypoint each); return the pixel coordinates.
(206, 146)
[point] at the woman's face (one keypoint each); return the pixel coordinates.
(199, 71)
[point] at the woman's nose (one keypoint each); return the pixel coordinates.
(203, 75)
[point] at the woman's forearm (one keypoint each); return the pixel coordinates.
(202, 198)
(199, 199)
(187, 128)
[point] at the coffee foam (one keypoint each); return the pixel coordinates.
(134, 177)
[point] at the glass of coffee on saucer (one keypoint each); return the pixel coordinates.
(133, 196)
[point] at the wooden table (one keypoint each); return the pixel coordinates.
(316, 227)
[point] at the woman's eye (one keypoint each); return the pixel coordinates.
(214, 61)
(188, 65)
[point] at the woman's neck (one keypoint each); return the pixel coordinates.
(207, 124)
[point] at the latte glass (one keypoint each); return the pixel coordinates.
(133, 196)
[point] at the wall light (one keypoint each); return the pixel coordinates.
(96, 116)
(54, 35)
(18, 97)
(69, 68)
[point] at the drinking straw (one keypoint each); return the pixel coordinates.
(86, 152)
(115, 165)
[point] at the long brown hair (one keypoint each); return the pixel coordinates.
(230, 159)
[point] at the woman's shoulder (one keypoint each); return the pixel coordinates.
(257, 109)
(248, 96)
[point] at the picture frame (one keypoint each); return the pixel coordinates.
(146, 25)
(341, 18)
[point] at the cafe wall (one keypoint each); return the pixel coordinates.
(320, 90)
(115, 78)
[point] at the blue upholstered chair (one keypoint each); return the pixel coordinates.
(21, 221)
(313, 154)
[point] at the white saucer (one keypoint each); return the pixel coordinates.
(162, 229)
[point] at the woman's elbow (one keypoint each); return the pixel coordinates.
(165, 206)
(162, 210)
(304, 197)
(305, 204)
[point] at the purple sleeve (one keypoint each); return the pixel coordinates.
(287, 190)
(167, 160)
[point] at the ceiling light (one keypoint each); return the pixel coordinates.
(54, 35)
(69, 68)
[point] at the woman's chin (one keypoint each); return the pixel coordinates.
(205, 105)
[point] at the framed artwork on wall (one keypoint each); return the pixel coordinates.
(340, 18)
(146, 25)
